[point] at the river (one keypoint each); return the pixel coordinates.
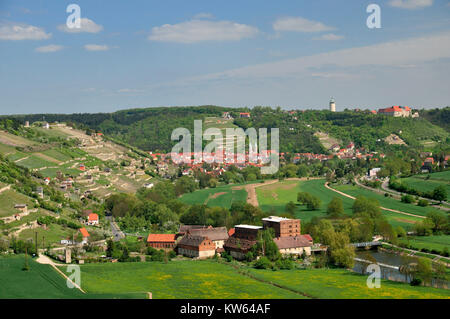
(391, 261)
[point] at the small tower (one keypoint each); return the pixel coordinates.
(332, 105)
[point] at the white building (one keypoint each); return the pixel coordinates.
(332, 105)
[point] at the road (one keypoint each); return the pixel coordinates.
(117, 233)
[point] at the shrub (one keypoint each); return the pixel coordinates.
(416, 282)
(422, 202)
(263, 263)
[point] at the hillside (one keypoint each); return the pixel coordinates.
(150, 128)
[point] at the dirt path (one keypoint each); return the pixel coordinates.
(42, 259)
(383, 208)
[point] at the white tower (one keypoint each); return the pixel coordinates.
(332, 105)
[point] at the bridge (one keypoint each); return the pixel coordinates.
(367, 244)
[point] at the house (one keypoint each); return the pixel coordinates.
(82, 167)
(46, 125)
(162, 241)
(22, 207)
(47, 180)
(335, 148)
(294, 245)
(396, 111)
(244, 115)
(218, 235)
(184, 229)
(148, 185)
(92, 219)
(196, 247)
(374, 171)
(85, 235)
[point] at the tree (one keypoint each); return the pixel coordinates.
(365, 206)
(440, 193)
(290, 208)
(335, 208)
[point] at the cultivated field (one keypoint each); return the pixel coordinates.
(40, 282)
(424, 184)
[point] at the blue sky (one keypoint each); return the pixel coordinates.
(293, 54)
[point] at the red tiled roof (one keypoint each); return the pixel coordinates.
(308, 237)
(84, 232)
(231, 232)
(161, 238)
(92, 217)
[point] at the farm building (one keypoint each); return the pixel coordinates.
(196, 247)
(284, 227)
(294, 245)
(162, 241)
(217, 234)
(22, 207)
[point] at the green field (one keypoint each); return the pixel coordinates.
(9, 198)
(340, 283)
(387, 202)
(421, 183)
(34, 161)
(177, 279)
(430, 242)
(40, 282)
(273, 198)
(209, 279)
(222, 196)
(53, 234)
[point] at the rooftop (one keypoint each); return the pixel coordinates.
(275, 219)
(248, 226)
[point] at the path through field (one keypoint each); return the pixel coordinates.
(383, 208)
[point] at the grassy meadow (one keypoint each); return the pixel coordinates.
(210, 279)
(424, 184)
(222, 196)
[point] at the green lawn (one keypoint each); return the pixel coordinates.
(430, 242)
(40, 282)
(222, 196)
(177, 279)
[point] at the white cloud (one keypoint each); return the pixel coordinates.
(411, 4)
(330, 37)
(390, 54)
(96, 47)
(15, 31)
(87, 25)
(200, 30)
(299, 24)
(49, 48)
(203, 15)
(127, 90)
